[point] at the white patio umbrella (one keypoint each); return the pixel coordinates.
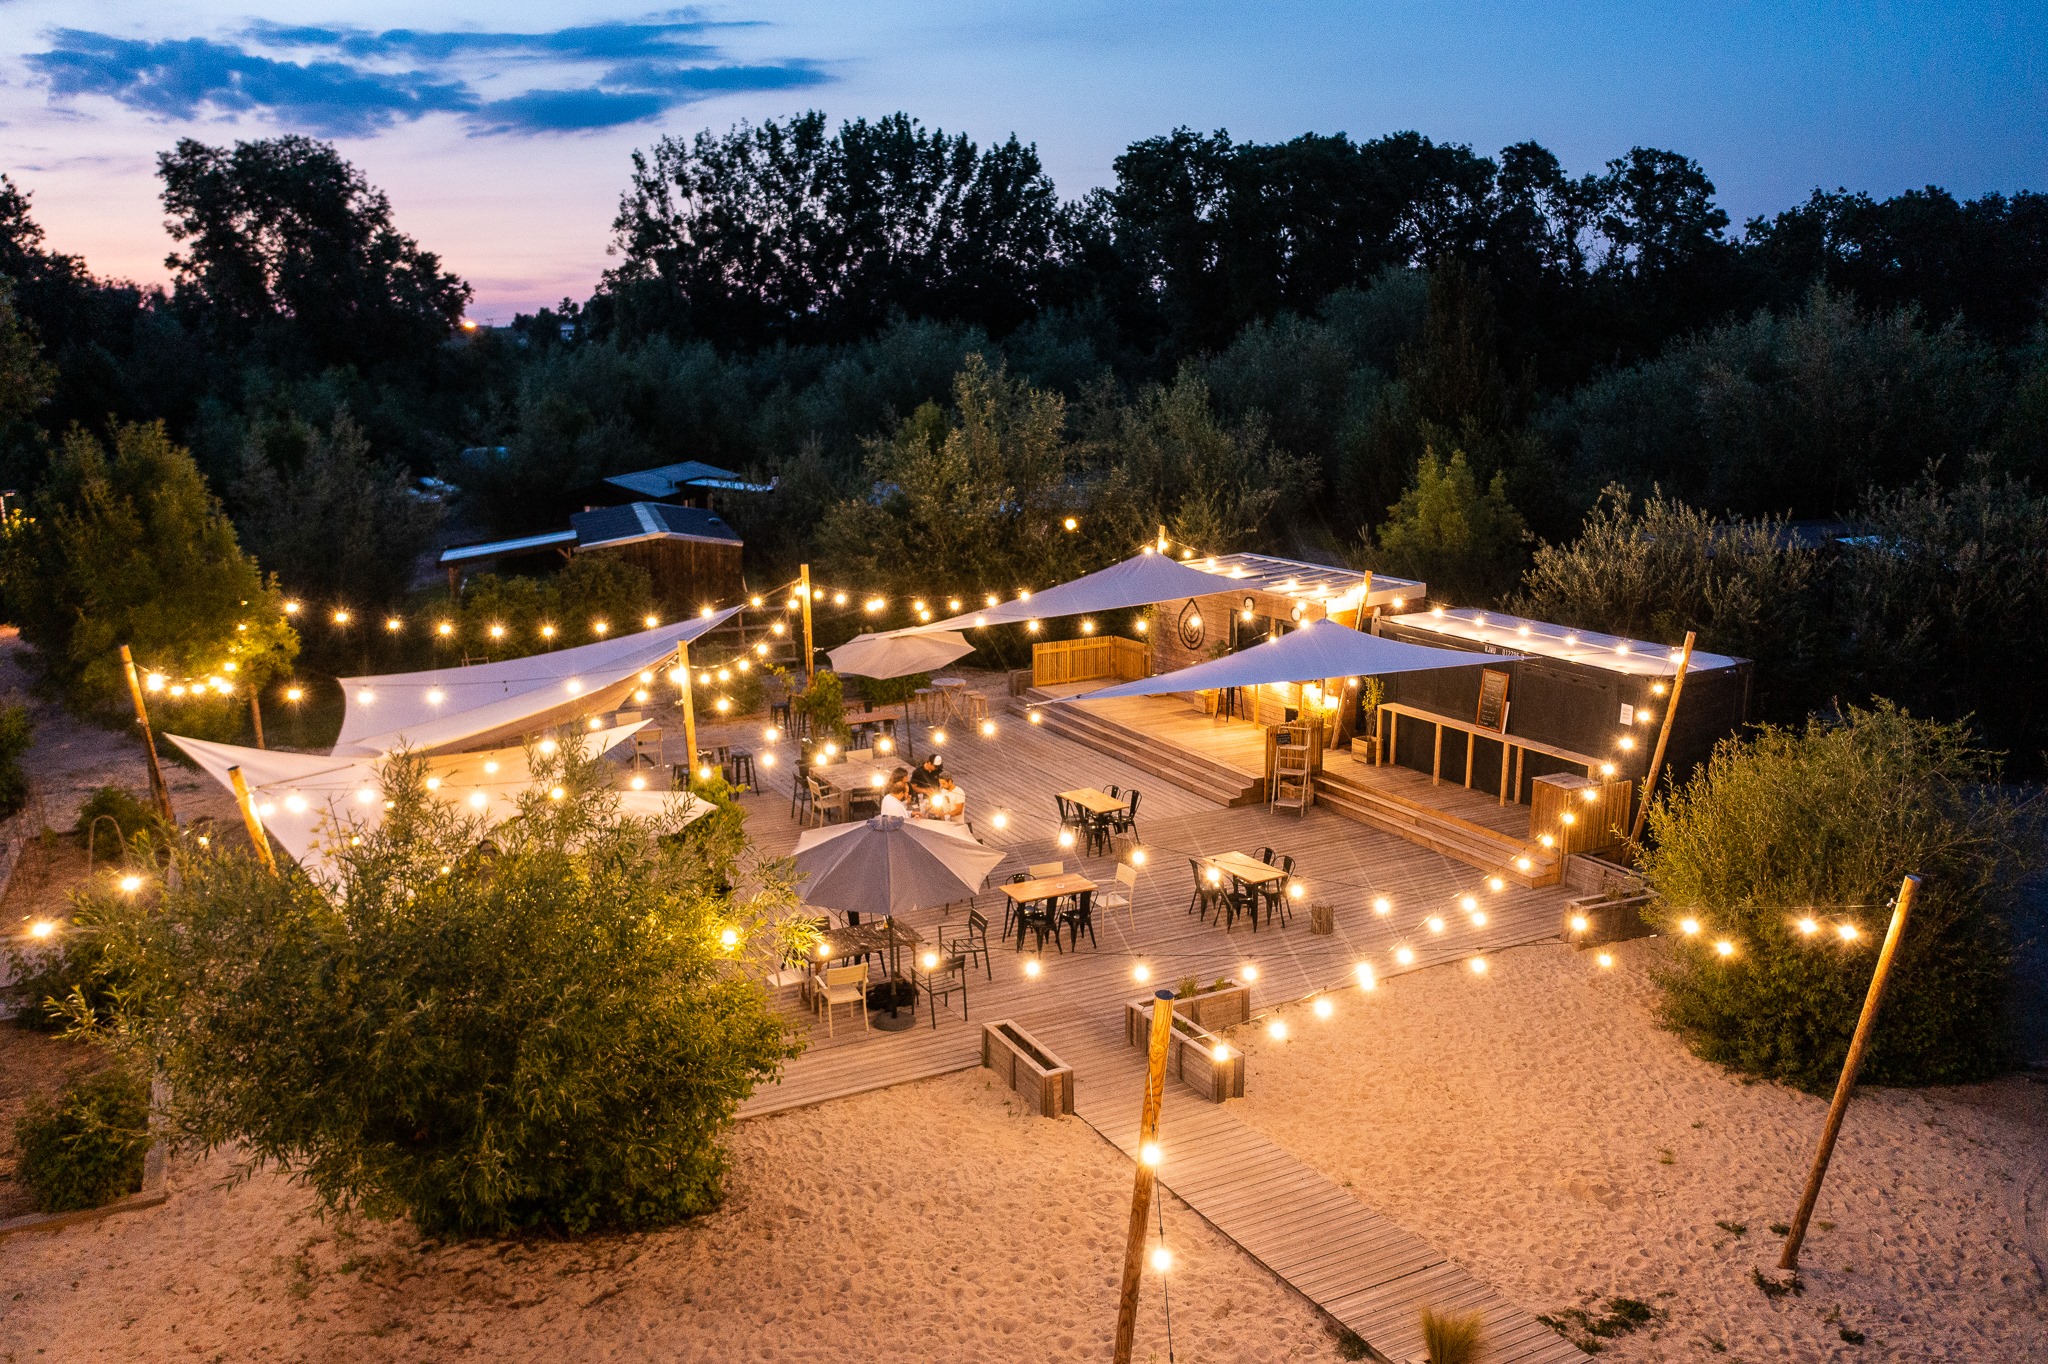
(889, 863)
(884, 656)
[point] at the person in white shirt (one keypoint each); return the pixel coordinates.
(894, 801)
(949, 802)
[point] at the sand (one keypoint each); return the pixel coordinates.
(1538, 1127)
(935, 1221)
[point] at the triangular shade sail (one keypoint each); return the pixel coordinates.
(895, 655)
(1138, 581)
(1318, 650)
(306, 800)
(441, 708)
(889, 864)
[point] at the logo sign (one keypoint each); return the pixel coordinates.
(1190, 626)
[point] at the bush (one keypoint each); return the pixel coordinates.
(129, 814)
(1820, 824)
(823, 704)
(88, 1149)
(541, 1030)
(17, 731)
(1450, 1338)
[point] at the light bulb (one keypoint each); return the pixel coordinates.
(1606, 960)
(1322, 1008)
(1478, 966)
(1277, 1030)
(1405, 955)
(1031, 968)
(1141, 973)
(1383, 906)
(999, 820)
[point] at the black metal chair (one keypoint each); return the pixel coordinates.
(1079, 913)
(941, 981)
(1010, 907)
(1265, 855)
(1041, 919)
(968, 941)
(800, 791)
(1125, 821)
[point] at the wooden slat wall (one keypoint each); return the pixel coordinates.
(1083, 660)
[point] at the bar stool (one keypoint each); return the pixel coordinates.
(739, 768)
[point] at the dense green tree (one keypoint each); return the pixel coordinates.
(975, 496)
(290, 253)
(1467, 544)
(542, 1030)
(1658, 569)
(1798, 412)
(328, 517)
(792, 231)
(126, 546)
(1819, 824)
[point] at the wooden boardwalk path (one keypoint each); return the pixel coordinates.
(1353, 1263)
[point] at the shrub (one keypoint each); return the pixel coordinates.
(823, 703)
(542, 1030)
(129, 814)
(17, 731)
(1820, 824)
(1449, 1339)
(88, 1148)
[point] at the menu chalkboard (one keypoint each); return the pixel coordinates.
(1493, 700)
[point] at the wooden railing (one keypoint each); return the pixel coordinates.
(1109, 657)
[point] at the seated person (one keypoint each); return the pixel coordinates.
(896, 801)
(926, 777)
(949, 802)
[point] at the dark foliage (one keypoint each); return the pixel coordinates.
(88, 1148)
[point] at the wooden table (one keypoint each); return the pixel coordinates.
(1245, 868)
(1093, 801)
(859, 940)
(863, 780)
(1024, 893)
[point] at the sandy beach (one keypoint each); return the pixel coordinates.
(1538, 1127)
(932, 1221)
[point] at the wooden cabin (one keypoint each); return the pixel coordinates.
(692, 555)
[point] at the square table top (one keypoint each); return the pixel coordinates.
(1047, 887)
(1246, 868)
(859, 777)
(1093, 801)
(848, 940)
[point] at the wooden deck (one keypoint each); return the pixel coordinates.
(1365, 1271)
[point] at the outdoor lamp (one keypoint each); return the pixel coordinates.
(999, 820)
(1383, 905)
(729, 938)
(131, 884)
(1688, 926)
(1149, 1153)
(1478, 966)
(600, 626)
(651, 621)
(341, 617)
(41, 928)
(1250, 972)
(1405, 955)
(1434, 923)
(1606, 960)
(394, 624)
(547, 632)
(988, 729)
(1808, 927)
(1579, 924)
(293, 694)
(497, 632)
(1278, 1030)
(1323, 1008)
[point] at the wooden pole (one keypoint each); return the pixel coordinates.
(689, 709)
(804, 573)
(257, 838)
(1635, 832)
(1908, 888)
(256, 716)
(1148, 1174)
(157, 786)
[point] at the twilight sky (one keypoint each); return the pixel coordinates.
(501, 131)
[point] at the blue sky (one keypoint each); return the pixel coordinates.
(502, 131)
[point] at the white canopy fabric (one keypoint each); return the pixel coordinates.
(898, 655)
(1138, 581)
(889, 864)
(305, 800)
(1320, 649)
(431, 711)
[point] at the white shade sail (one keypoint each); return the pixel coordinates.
(439, 708)
(889, 864)
(306, 800)
(1141, 580)
(894, 655)
(1318, 650)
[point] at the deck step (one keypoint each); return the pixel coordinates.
(1438, 830)
(1190, 771)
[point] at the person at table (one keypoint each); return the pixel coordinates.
(925, 779)
(896, 800)
(948, 803)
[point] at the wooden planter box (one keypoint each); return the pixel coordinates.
(1191, 1052)
(1608, 919)
(1210, 1008)
(1597, 824)
(1027, 1067)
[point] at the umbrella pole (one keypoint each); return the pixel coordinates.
(895, 965)
(909, 741)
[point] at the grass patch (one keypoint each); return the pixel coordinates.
(1590, 1332)
(1450, 1339)
(1781, 1228)
(1734, 1228)
(1773, 1288)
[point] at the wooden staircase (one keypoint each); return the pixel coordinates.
(1220, 782)
(1438, 830)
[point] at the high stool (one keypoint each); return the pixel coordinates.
(739, 768)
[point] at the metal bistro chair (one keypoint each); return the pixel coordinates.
(1245, 899)
(1077, 914)
(800, 793)
(1278, 902)
(968, 942)
(1126, 820)
(1041, 919)
(941, 981)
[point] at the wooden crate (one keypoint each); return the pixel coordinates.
(1608, 918)
(1597, 823)
(1028, 1068)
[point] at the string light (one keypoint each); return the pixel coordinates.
(1141, 973)
(1322, 1008)
(1606, 960)
(1405, 955)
